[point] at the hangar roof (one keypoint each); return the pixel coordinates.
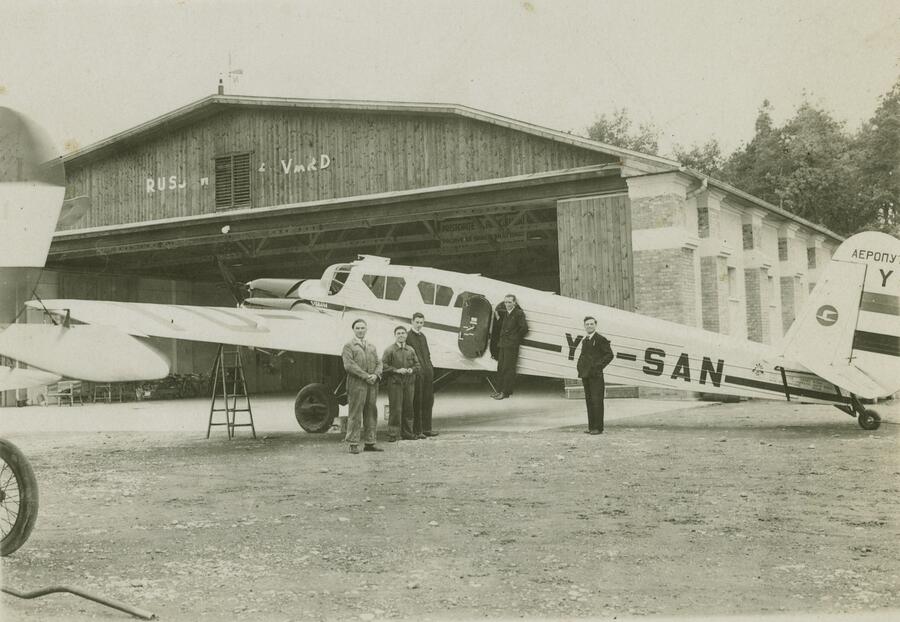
(213, 104)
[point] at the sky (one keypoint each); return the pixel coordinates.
(695, 69)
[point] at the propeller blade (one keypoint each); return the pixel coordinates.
(239, 291)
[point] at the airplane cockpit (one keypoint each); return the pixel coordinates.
(334, 278)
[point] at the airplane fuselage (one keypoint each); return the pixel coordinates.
(648, 352)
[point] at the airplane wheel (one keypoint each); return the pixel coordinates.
(869, 419)
(315, 408)
(18, 498)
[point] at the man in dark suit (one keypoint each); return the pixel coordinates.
(424, 399)
(512, 332)
(595, 356)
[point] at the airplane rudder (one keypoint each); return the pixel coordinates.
(876, 335)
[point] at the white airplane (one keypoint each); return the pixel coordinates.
(844, 345)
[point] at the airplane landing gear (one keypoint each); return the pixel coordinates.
(315, 408)
(867, 418)
(18, 498)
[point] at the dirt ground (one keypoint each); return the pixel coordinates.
(726, 509)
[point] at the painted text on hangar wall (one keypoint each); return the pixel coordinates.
(286, 167)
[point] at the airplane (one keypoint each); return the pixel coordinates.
(843, 347)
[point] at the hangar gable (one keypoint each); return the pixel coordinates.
(223, 153)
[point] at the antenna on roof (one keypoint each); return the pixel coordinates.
(233, 74)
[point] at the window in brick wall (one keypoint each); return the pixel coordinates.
(811, 258)
(703, 222)
(747, 231)
(782, 249)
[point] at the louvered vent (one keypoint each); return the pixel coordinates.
(233, 181)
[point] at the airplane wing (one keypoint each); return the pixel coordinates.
(303, 328)
(15, 378)
(86, 352)
(295, 330)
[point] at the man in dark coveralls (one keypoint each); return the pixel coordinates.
(512, 332)
(595, 355)
(423, 402)
(400, 367)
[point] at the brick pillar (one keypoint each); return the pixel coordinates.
(714, 256)
(664, 239)
(714, 293)
(667, 269)
(757, 265)
(756, 283)
(792, 265)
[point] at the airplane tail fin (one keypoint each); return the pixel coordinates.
(849, 330)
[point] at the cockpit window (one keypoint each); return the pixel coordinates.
(338, 279)
(385, 287)
(434, 294)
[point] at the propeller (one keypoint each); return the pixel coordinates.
(238, 290)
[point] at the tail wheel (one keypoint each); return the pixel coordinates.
(868, 419)
(18, 498)
(315, 408)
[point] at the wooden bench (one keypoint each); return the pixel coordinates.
(66, 391)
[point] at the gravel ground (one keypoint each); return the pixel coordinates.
(750, 508)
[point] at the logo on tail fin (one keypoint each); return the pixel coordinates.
(827, 315)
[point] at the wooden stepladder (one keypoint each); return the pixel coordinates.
(229, 392)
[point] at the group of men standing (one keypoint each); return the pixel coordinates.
(407, 370)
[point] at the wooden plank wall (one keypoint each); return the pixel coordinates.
(595, 257)
(369, 153)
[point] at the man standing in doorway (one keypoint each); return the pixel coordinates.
(400, 369)
(423, 401)
(512, 332)
(595, 356)
(363, 373)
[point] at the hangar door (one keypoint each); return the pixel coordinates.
(595, 256)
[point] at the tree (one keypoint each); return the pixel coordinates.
(706, 158)
(808, 166)
(615, 130)
(877, 146)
